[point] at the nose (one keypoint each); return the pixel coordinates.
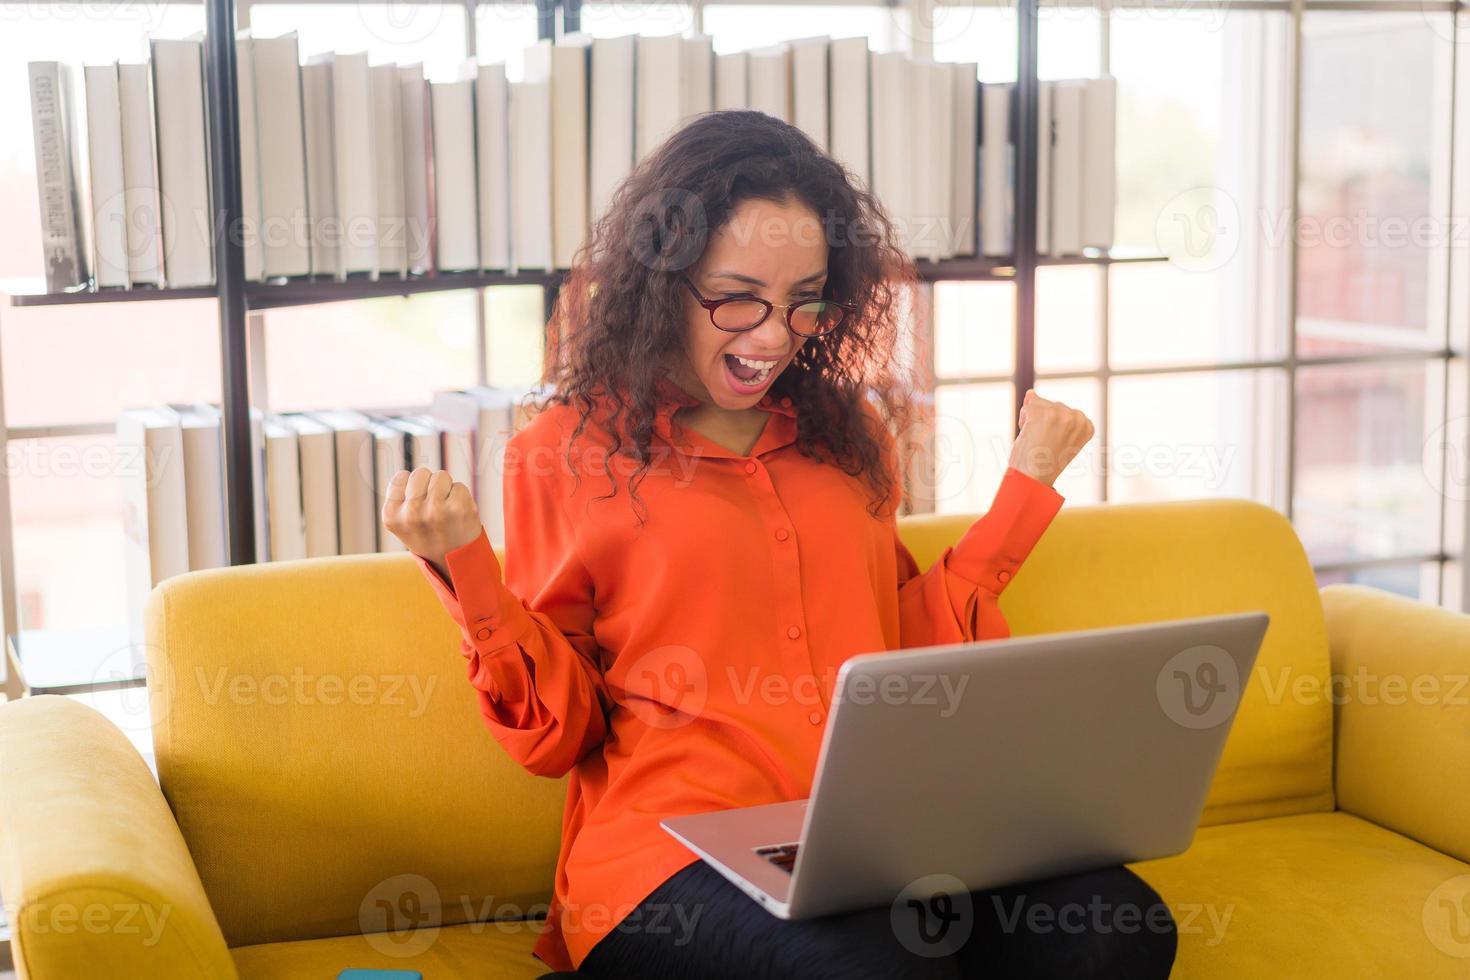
(772, 335)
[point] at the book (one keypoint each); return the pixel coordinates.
(997, 170)
(258, 490)
(892, 179)
(1044, 138)
(183, 162)
(530, 174)
(809, 89)
(732, 80)
(58, 175)
(356, 467)
(964, 168)
(388, 172)
(204, 490)
(1099, 164)
(477, 423)
(287, 523)
(247, 106)
(355, 156)
(418, 167)
(107, 198)
(150, 444)
(285, 228)
(931, 116)
(565, 63)
(388, 459)
(770, 80)
(610, 150)
(316, 443)
(1066, 168)
(696, 77)
(492, 138)
(456, 208)
(140, 175)
(321, 168)
(660, 102)
(848, 58)
(422, 441)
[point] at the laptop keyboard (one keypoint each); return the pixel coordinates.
(782, 856)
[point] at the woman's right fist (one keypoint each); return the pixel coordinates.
(430, 513)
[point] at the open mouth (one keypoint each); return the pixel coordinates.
(747, 375)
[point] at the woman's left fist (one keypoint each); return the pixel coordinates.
(1051, 436)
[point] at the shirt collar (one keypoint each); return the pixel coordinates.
(671, 398)
(779, 431)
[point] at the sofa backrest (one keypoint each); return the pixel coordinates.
(325, 758)
(1134, 563)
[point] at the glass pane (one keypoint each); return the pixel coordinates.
(124, 355)
(1200, 434)
(376, 353)
(67, 506)
(974, 329)
(740, 27)
(503, 31)
(617, 19)
(515, 340)
(1068, 46)
(1416, 580)
(973, 435)
(1081, 481)
(403, 33)
(1068, 318)
(1362, 490)
(1201, 151)
(1373, 198)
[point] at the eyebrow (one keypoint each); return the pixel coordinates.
(739, 277)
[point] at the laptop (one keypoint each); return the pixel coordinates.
(995, 763)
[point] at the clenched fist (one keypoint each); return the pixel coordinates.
(430, 513)
(1051, 436)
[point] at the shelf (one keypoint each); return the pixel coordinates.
(58, 661)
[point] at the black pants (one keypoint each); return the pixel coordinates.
(1105, 923)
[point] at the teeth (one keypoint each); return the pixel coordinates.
(763, 365)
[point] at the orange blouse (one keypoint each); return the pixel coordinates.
(687, 665)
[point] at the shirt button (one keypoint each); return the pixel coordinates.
(815, 717)
(750, 467)
(1004, 576)
(782, 534)
(786, 403)
(483, 633)
(794, 632)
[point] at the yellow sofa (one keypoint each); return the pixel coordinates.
(330, 799)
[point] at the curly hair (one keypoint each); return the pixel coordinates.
(620, 314)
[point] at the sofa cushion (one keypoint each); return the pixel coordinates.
(1135, 563)
(1317, 895)
(483, 951)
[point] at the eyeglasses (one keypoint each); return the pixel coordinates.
(738, 314)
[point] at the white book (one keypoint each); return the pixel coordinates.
(258, 498)
(1099, 163)
(931, 101)
(565, 64)
(964, 174)
(388, 459)
(660, 100)
(809, 89)
(283, 491)
(1044, 138)
(611, 147)
(1066, 168)
(696, 77)
(530, 175)
(388, 170)
(105, 171)
(245, 91)
(183, 163)
(418, 153)
(485, 417)
(892, 179)
(318, 454)
(492, 137)
(140, 174)
(59, 176)
(732, 80)
(422, 441)
(456, 209)
(770, 80)
(355, 157)
(357, 518)
(204, 490)
(281, 133)
(156, 529)
(321, 168)
(849, 106)
(997, 161)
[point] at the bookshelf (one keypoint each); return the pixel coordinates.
(76, 659)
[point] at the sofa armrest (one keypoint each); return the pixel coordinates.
(96, 878)
(1401, 696)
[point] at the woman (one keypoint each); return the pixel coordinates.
(700, 528)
